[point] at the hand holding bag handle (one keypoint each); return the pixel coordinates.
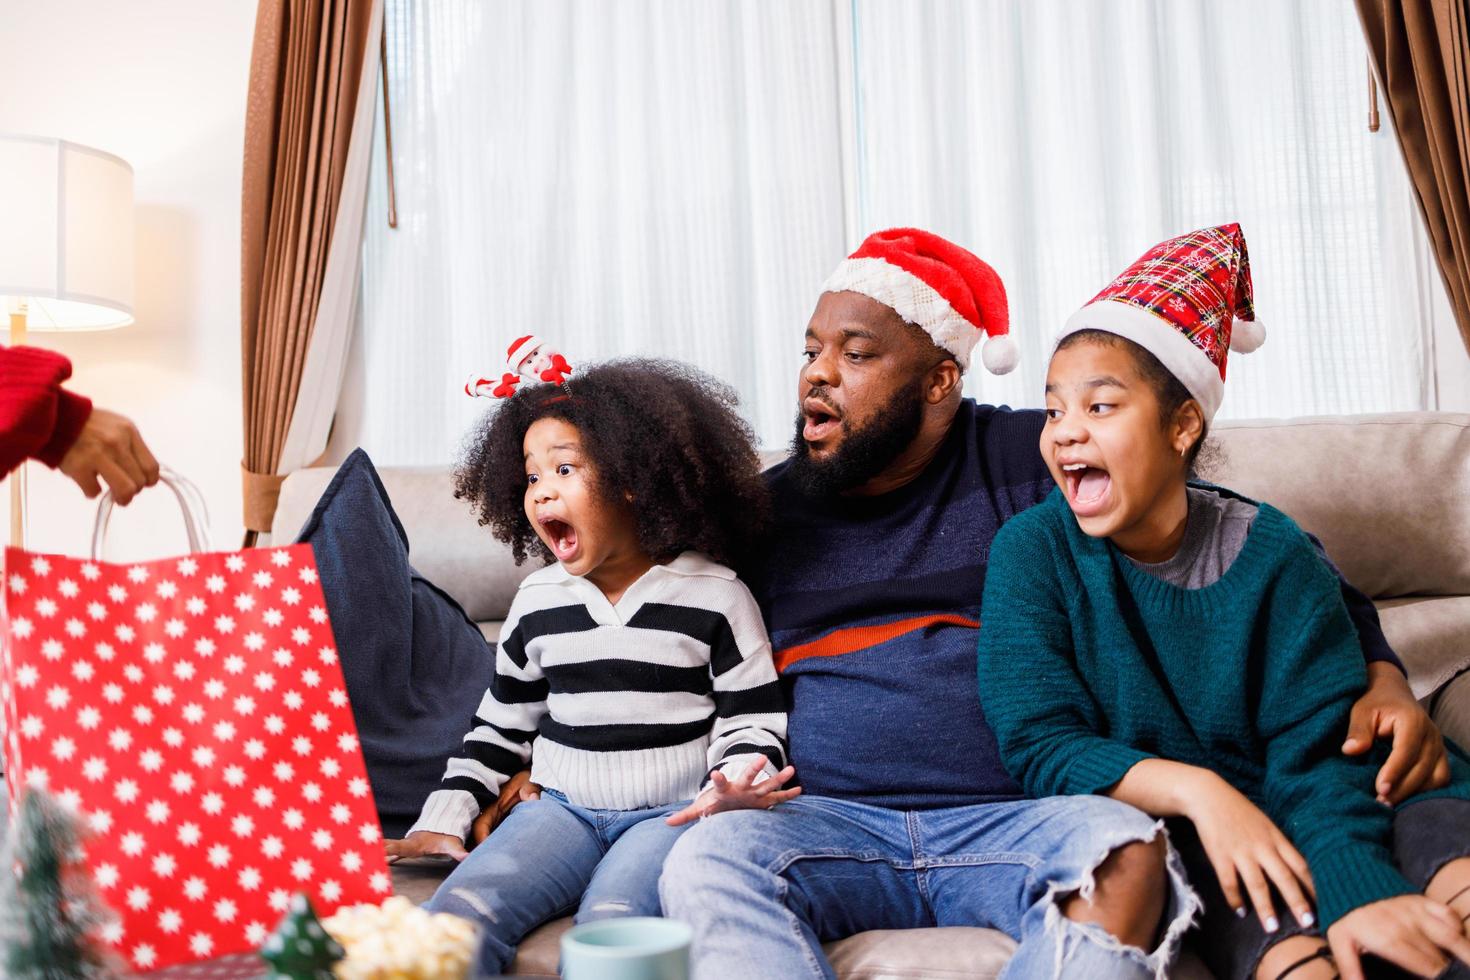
(191, 502)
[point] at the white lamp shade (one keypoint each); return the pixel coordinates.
(66, 234)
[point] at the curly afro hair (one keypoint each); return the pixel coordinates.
(659, 434)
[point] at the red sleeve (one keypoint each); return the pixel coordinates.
(37, 418)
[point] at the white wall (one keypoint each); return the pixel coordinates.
(161, 83)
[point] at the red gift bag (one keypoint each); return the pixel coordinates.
(193, 712)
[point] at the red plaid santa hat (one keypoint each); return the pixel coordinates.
(1187, 301)
(937, 286)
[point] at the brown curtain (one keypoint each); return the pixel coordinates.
(1421, 52)
(304, 75)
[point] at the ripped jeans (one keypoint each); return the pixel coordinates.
(550, 857)
(764, 889)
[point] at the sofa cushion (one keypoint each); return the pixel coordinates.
(1450, 709)
(1431, 635)
(446, 542)
(1389, 495)
(415, 665)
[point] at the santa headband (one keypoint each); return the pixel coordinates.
(1188, 302)
(939, 287)
(529, 359)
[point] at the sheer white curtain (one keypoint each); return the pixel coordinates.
(1060, 139)
(652, 178)
(676, 179)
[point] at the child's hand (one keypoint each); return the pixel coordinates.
(1410, 931)
(1244, 846)
(741, 793)
(519, 789)
(422, 843)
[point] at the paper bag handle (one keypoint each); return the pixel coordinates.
(191, 502)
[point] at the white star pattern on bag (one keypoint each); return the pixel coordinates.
(201, 719)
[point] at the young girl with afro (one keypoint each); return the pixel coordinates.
(633, 672)
(1178, 647)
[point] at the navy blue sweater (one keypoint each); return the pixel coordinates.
(873, 606)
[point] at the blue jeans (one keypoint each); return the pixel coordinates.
(550, 857)
(763, 889)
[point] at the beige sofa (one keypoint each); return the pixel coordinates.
(1389, 495)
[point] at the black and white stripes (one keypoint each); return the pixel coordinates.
(627, 706)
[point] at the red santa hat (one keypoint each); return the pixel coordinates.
(520, 349)
(937, 286)
(1187, 301)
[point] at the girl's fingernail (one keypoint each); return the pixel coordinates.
(1271, 924)
(1240, 913)
(1308, 920)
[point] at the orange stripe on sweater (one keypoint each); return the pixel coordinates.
(854, 638)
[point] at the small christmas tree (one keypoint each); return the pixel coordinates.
(300, 949)
(49, 916)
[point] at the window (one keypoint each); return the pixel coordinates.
(676, 180)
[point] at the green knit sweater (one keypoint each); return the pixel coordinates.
(1089, 665)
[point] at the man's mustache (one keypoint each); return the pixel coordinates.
(822, 395)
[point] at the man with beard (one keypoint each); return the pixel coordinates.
(871, 591)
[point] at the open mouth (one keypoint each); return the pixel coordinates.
(1086, 487)
(560, 536)
(821, 420)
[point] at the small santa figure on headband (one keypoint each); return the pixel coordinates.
(528, 359)
(534, 360)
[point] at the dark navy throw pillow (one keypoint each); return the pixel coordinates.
(416, 666)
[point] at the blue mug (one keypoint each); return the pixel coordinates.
(635, 948)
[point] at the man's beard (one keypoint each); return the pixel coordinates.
(863, 453)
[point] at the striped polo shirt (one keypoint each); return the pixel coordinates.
(620, 706)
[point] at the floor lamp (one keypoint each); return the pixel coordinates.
(66, 249)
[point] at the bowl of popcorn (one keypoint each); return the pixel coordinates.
(400, 941)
